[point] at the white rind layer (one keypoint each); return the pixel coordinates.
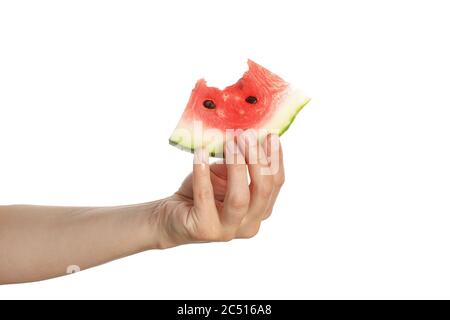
(193, 134)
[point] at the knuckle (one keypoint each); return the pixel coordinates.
(279, 180)
(199, 236)
(205, 235)
(204, 194)
(250, 231)
(267, 215)
(214, 235)
(265, 189)
(227, 236)
(239, 200)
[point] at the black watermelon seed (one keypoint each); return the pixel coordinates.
(251, 100)
(209, 104)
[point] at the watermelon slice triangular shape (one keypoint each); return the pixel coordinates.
(260, 100)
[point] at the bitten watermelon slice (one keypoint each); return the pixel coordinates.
(260, 100)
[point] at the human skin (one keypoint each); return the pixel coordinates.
(214, 203)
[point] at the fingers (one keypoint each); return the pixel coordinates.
(261, 180)
(243, 207)
(201, 183)
(274, 153)
(219, 180)
(237, 196)
(261, 187)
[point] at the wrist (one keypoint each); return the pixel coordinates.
(156, 224)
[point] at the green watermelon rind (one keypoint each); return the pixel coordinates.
(297, 110)
(191, 149)
(178, 145)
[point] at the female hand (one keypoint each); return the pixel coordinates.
(216, 202)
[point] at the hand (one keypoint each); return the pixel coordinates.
(216, 203)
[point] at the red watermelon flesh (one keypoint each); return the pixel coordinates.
(260, 100)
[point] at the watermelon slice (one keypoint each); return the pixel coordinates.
(260, 100)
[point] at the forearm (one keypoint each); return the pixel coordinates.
(38, 242)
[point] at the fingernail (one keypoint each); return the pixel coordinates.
(250, 138)
(201, 156)
(233, 149)
(230, 150)
(241, 142)
(274, 143)
(230, 147)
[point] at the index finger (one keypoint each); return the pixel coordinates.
(201, 182)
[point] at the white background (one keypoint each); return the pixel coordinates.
(91, 90)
